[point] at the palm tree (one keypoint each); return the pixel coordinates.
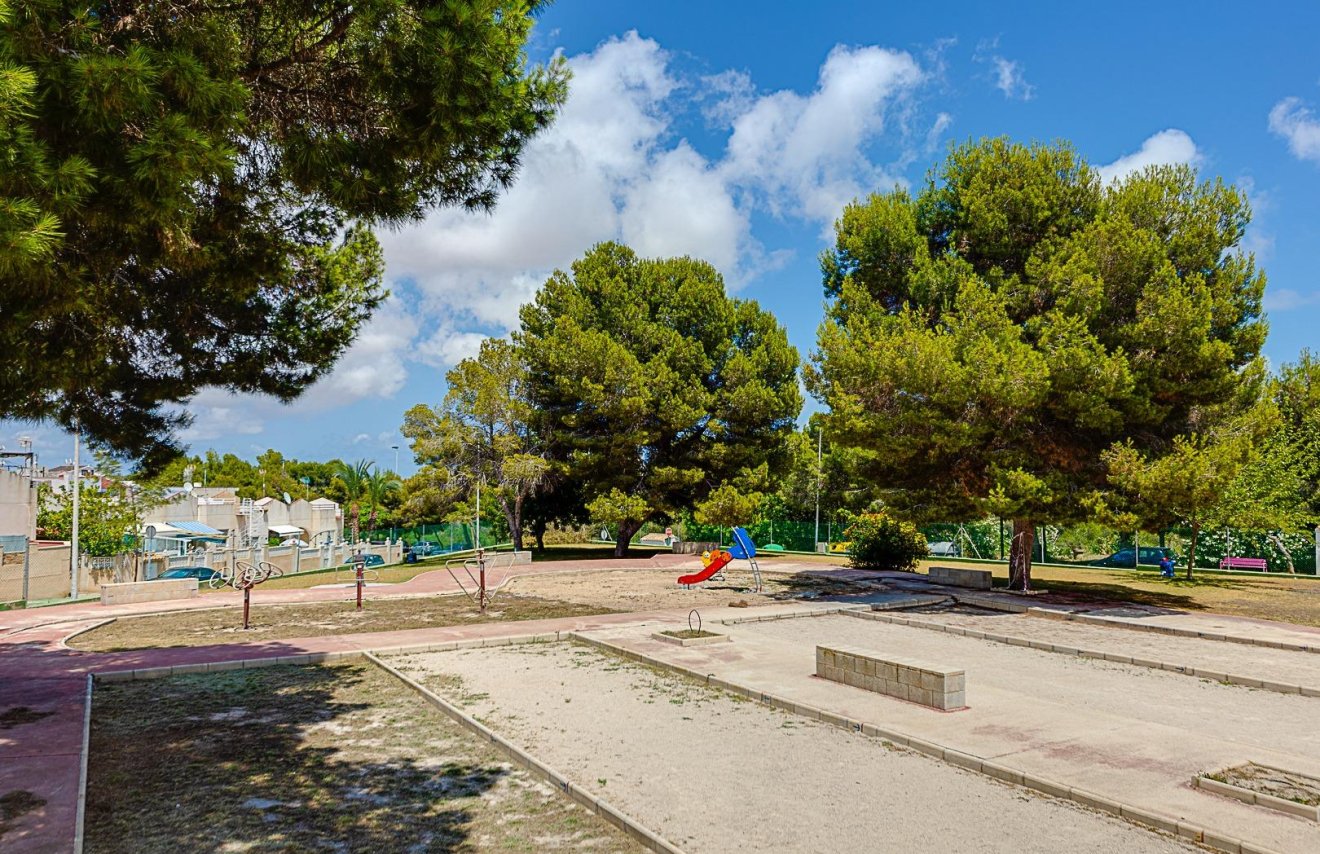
(379, 485)
(354, 476)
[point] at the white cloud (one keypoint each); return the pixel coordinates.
(609, 168)
(1286, 299)
(218, 414)
(806, 155)
(1294, 121)
(612, 167)
(1166, 147)
(1011, 80)
(375, 366)
(1008, 75)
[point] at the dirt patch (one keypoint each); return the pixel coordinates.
(1288, 785)
(281, 622)
(340, 758)
(647, 590)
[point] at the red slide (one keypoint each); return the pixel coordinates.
(717, 563)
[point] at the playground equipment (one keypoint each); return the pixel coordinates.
(742, 549)
(479, 593)
(244, 576)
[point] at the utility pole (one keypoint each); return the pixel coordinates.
(820, 439)
(74, 564)
(396, 458)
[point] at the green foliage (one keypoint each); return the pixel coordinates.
(355, 478)
(654, 387)
(188, 188)
(879, 541)
(481, 433)
(1191, 482)
(728, 506)
(991, 337)
(107, 520)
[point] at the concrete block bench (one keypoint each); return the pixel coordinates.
(918, 682)
(148, 591)
(975, 578)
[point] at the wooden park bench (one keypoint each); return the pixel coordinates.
(1256, 563)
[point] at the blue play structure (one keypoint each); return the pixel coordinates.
(744, 549)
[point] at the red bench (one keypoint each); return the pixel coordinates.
(1257, 563)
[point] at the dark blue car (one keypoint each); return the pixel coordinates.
(203, 574)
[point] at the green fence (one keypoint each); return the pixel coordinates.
(449, 536)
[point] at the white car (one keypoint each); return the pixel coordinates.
(944, 549)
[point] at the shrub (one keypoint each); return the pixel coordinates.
(880, 541)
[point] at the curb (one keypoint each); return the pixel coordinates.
(600, 806)
(1169, 630)
(1062, 649)
(81, 814)
(64, 641)
(1129, 812)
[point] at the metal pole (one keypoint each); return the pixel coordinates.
(75, 564)
(815, 545)
(247, 600)
(396, 458)
(360, 564)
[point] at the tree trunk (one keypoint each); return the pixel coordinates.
(513, 515)
(626, 530)
(1019, 555)
(538, 530)
(356, 511)
(1191, 549)
(1277, 538)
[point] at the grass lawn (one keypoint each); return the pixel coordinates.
(292, 759)
(281, 622)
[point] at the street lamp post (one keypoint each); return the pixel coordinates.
(76, 564)
(396, 458)
(815, 544)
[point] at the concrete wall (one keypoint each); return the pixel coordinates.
(927, 684)
(18, 504)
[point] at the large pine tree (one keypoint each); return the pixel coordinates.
(991, 336)
(188, 187)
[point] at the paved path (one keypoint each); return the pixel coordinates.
(1275, 665)
(1127, 733)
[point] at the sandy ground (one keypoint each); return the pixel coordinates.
(1275, 665)
(634, 590)
(716, 773)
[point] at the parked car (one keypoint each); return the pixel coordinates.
(425, 548)
(369, 560)
(944, 549)
(1150, 556)
(203, 574)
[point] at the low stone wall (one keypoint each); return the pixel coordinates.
(148, 591)
(978, 579)
(927, 684)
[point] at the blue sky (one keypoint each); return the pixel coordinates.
(736, 131)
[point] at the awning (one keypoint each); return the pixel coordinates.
(197, 528)
(284, 530)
